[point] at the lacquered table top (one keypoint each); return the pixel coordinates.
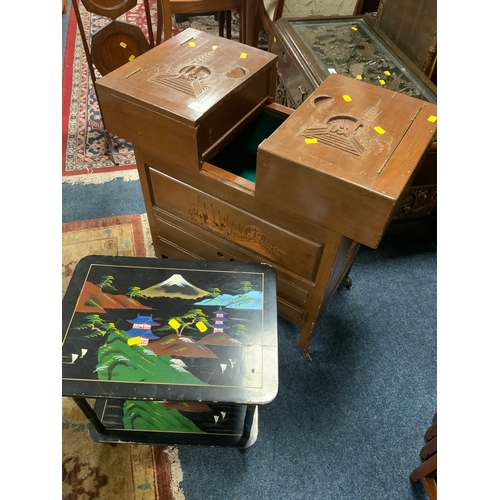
(163, 329)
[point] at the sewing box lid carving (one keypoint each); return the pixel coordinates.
(188, 75)
(355, 147)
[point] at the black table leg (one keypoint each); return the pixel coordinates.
(90, 414)
(247, 427)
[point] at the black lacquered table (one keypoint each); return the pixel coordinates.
(172, 351)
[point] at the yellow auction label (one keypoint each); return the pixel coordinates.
(432, 118)
(347, 98)
(192, 44)
(359, 77)
(311, 140)
(243, 55)
(382, 82)
(134, 341)
(201, 326)
(379, 130)
(215, 47)
(123, 44)
(131, 58)
(174, 323)
(354, 28)
(388, 73)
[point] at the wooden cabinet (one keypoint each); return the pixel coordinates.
(298, 190)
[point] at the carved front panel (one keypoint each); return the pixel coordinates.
(272, 243)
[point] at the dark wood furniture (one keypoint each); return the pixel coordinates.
(310, 49)
(427, 472)
(173, 351)
(228, 175)
(412, 26)
(221, 7)
(114, 45)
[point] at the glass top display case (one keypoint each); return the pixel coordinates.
(350, 45)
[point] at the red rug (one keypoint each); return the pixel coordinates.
(84, 147)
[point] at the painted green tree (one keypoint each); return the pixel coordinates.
(246, 286)
(98, 326)
(213, 292)
(106, 282)
(135, 292)
(238, 329)
(187, 321)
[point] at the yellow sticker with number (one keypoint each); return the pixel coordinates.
(123, 44)
(379, 130)
(134, 341)
(382, 82)
(311, 140)
(354, 28)
(432, 118)
(243, 55)
(347, 98)
(131, 58)
(201, 326)
(359, 77)
(192, 44)
(174, 323)
(388, 73)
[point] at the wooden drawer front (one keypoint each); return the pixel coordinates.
(290, 312)
(291, 292)
(193, 244)
(176, 243)
(271, 243)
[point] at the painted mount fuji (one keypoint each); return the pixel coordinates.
(175, 287)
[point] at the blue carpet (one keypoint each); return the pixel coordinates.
(93, 201)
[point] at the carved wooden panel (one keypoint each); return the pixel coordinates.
(109, 8)
(273, 243)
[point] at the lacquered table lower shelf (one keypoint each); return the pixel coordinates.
(172, 351)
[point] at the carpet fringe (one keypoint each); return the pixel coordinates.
(102, 178)
(177, 475)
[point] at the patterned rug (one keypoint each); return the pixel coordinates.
(126, 235)
(97, 470)
(84, 147)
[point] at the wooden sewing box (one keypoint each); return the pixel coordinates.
(229, 175)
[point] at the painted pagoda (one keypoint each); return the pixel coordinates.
(218, 321)
(142, 330)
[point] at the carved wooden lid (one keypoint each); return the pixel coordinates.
(188, 75)
(358, 133)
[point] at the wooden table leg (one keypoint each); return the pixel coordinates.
(252, 23)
